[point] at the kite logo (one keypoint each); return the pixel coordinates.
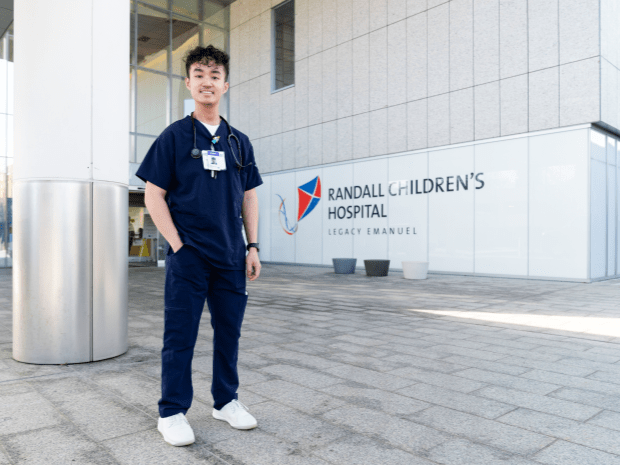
(308, 196)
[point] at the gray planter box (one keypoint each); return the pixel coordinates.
(377, 267)
(344, 265)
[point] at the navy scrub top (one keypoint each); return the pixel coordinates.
(205, 211)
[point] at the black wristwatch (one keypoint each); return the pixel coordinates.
(253, 244)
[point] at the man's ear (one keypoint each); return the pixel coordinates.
(226, 86)
(187, 83)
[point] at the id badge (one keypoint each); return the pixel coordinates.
(214, 161)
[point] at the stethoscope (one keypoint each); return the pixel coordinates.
(197, 154)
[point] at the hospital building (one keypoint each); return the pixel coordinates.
(480, 136)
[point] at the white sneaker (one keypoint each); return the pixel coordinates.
(176, 430)
(236, 414)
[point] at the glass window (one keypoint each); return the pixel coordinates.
(284, 44)
(153, 38)
(215, 15)
(143, 144)
(185, 36)
(187, 8)
(9, 136)
(182, 101)
(215, 37)
(4, 231)
(9, 211)
(151, 107)
(159, 3)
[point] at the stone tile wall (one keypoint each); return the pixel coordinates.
(374, 77)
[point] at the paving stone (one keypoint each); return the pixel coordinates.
(25, 411)
(607, 377)
(569, 430)
(545, 404)
(457, 400)
(302, 376)
(567, 453)
(360, 450)
(98, 414)
(400, 433)
(149, 447)
(499, 366)
(59, 445)
(300, 359)
(294, 426)
(133, 388)
(515, 382)
(481, 430)
(554, 367)
(595, 399)
(481, 354)
(573, 381)
(297, 397)
(452, 382)
(376, 399)
(370, 377)
(464, 452)
(258, 448)
(607, 419)
(425, 363)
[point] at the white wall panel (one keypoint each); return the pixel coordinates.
(378, 69)
(417, 57)
(451, 214)
(330, 84)
(361, 17)
(611, 206)
(543, 34)
(617, 207)
(611, 223)
(513, 38)
(397, 50)
(345, 79)
(461, 44)
(301, 93)
(309, 235)
(370, 241)
(598, 220)
(486, 41)
(558, 205)
(282, 243)
(345, 20)
(501, 208)
(439, 50)
(617, 219)
(337, 241)
(263, 193)
(407, 212)
(315, 89)
(361, 75)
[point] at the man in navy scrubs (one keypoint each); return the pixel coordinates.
(200, 192)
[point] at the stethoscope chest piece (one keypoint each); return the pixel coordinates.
(196, 153)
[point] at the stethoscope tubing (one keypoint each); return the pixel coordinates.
(196, 153)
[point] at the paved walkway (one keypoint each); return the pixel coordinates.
(347, 370)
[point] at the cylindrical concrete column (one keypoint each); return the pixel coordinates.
(70, 180)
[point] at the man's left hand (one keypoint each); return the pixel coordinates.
(252, 264)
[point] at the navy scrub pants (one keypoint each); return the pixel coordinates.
(190, 279)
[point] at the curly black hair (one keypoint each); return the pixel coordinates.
(206, 55)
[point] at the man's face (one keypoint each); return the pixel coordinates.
(207, 83)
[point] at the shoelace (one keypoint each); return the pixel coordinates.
(178, 420)
(236, 403)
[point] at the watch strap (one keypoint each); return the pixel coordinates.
(253, 244)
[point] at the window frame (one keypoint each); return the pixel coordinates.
(273, 47)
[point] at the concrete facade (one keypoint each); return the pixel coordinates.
(375, 77)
